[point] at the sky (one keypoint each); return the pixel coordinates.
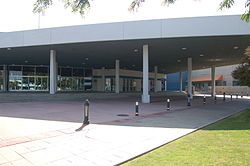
(16, 15)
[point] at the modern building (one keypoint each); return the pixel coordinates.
(202, 80)
(123, 56)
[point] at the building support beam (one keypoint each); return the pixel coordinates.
(145, 94)
(180, 79)
(103, 79)
(189, 64)
(5, 78)
(117, 76)
(155, 79)
(53, 72)
(213, 81)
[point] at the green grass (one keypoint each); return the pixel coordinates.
(225, 143)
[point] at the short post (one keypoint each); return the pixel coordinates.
(188, 100)
(241, 94)
(168, 104)
(237, 96)
(224, 96)
(86, 112)
(204, 99)
(231, 97)
(215, 98)
(137, 108)
(247, 94)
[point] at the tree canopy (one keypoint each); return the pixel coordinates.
(81, 6)
(242, 72)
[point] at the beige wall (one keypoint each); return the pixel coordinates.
(241, 90)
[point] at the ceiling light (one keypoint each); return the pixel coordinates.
(201, 55)
(26, 61)
(8, 49)
(135, 50)
(235, 47)
(178, 60)
(86, 59)
(183, 48)
(133, 65)
(215, 60)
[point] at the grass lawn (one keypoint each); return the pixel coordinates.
(225, 143)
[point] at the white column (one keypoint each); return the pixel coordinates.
(117, 76)
(103, 79)
(180, 79)
(53, 72)
(145, 95)
(190, 77)
(213, 81)
(155, 79)
(5, 78)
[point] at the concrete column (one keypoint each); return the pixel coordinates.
(213, 81)
(180, 79)
(190, 77)
(145, 95)
(155, 79)
(53, 72)
(103, 79)
(117, 76)
(5, 78)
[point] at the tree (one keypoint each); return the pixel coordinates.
(242, 72)
(82, 6)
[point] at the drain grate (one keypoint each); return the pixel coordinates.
(122, 115)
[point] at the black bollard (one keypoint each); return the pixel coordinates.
(168, 104)
(237, 96)
(231, 97)
(224, 96)
(215, 98)
(86, 112)
(188, 100)
(137, 108)
(204, 99)
(247, 94)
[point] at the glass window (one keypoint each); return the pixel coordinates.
(42, 71)
(28, 71)
(235, 83)
(78, 72)
(88, 83)
(15, 71)
(15, 83)
(88, 72)
(66, 72)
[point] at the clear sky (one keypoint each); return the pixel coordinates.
(17, 14)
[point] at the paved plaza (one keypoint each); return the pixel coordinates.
(42, 132)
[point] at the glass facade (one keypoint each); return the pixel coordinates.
(28, 78)
(74, 79)
(36, 78)
(1, 78)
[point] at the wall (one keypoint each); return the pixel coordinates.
(241, 90)
(223, 70)
(173, 82)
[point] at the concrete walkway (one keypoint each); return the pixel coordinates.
(99, 144)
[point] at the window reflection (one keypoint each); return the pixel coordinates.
(36, 78)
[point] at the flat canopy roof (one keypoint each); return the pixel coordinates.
(210, 41)
(207, 78)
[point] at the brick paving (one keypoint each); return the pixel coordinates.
(109, 140)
